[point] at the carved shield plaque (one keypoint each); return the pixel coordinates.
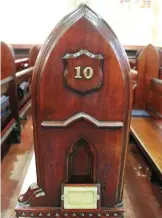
(83, 71)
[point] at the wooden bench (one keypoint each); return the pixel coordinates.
(10, 125)
(147, 131)
(23, 83)
(15, 92)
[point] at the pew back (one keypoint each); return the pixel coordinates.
(148, 68)
(9, 103)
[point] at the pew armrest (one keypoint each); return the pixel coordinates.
(24, 72)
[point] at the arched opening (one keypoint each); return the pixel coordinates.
(81, 162)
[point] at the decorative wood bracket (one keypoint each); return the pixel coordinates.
(33, 192)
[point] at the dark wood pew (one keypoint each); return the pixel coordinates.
(10, 125)
(148, 65)
(147, 128)
(81, 95)
(22, 63)
(155, 98)
(160, 73)
(33, 53)
(146, 124)
(160, 60)
(23, 83)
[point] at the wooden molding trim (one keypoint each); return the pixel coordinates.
(79, 116)
(28, 46)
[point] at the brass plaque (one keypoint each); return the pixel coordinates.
(80, 196)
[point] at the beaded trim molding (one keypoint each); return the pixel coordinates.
(51, 214)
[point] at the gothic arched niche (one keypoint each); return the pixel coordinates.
(81, 162)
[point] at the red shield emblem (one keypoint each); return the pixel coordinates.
(83, 71)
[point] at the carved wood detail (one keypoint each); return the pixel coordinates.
(33, 192)
(83, 71)
(97, 123)
(88, 169)
(79, 116)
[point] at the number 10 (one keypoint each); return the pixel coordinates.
(87, 73)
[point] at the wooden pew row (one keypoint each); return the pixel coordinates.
(22, 63)
(147, 67)
(160, 59)
(155, 98)
(147, 128)
(160, 73)
(15, 96)
(23, 83)
(10, 124)
(146, 125)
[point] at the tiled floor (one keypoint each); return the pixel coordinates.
(142, 199)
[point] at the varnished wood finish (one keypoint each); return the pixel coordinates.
(33, 53)
(54, 102)
(134, 75)
(149, 137)
(15, 166)
(82, 116)
(21, 64)
(155, 98)
(10, 126)
(147, 131)
(148, 63)
(25, 75)
(160, 73)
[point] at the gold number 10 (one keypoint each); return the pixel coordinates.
(87, 73)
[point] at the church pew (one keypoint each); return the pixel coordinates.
(33, 53)
(148, 64)
(134, 75)
(147, 130)
(147, 101)
(160, 73)
(155, 98)
(22, 64)
(160, 60)
(10, 125)
(145, 57)
(23, 83)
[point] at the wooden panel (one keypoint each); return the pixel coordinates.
(148, 68)
(33, 53)
(149, 137)
(86, 116)
(155, 98)
(21, 63)
(10, 123)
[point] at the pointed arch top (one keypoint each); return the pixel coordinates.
(83, 11)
